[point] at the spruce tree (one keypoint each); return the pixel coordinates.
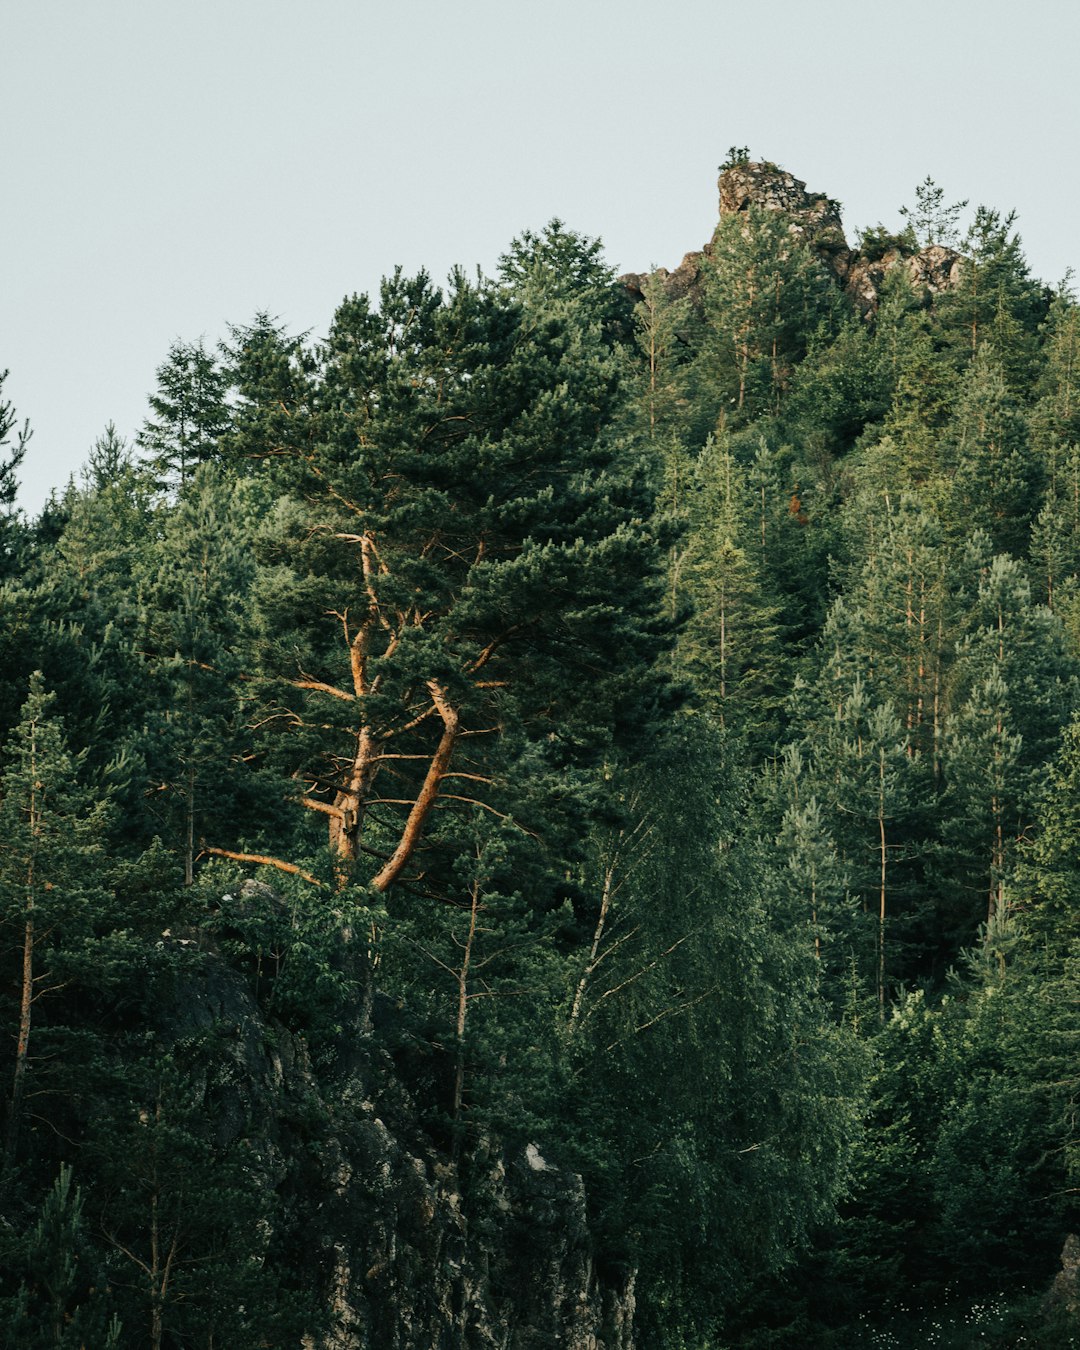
(14, 442)
(194, 610)
(190, 414)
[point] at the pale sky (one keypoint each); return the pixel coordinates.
(170, 166)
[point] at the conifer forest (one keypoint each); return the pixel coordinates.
(548, 813)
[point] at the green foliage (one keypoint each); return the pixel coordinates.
(60, 1301)
(732, 646)
(876, 241)
(716, 1167)
(930, 220)
(190, 414)
(194, 601)
(13, 450)
(996, 301)
(766, 298)
(637, 713)
(996, 481)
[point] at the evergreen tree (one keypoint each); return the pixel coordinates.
(1012, 691)
(996, 300)
(712, 1169)
(821, 904)
(1055, 418)
(857, 759)
(997, 480)
(662, 327)
(60, 1303)
(190, 414)
(454, 576)
(766, 296)
(732, 644)
(195, 606)
(12, 453)
(51, 835)
(841, 387)
(1055, 536)
(932, 221)
(903, 633)
(270, 377)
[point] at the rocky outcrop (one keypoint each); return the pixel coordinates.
(408, 1245)
(814, 220)
(412, 1261)
(685, 280)
(930, 272)
(1062, 1302)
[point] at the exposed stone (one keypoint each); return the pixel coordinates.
(1063, 1299)
(930, 271)
(935, 269)
(684, 281)
(815, 219)
(404, 1249)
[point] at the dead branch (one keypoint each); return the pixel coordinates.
(429, 790)
(327, 809)
(323, 688)
(262, 859)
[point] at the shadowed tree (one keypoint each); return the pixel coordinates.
(51, 835)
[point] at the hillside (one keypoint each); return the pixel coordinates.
(544, 815)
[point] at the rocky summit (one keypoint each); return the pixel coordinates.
(814, 221)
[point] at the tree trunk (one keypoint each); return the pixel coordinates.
(881, 896)
(463, 1009)
(26, 993)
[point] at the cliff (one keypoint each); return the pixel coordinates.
(399, 1243)
(814, 221)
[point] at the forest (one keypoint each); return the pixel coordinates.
(551, 811)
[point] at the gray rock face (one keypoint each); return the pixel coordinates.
(930, 271)
(1063, 1299)
(413, 1263)
(934, 269)
(813, 217)
(406, 1247)
(684, 281)
(815, 220)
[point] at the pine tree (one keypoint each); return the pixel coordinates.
(1055, 536)
(997, 480)
(985, 786)
(662, 326)
(1012, 691)
(932, 221)
(13, 451)
(1055, 419)
(439, 589)
(996, 301)
(50, 838)
(190, 414)
(195, 608)
(707, 1170)
(732, 644)
(859, 763)
(900, 593)
(766, 296)
(60, 1303)
(816, 878)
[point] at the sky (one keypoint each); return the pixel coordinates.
(172, 167)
